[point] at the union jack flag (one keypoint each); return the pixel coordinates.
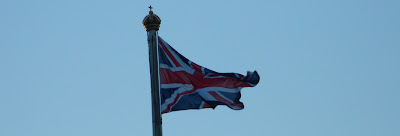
(186, 85)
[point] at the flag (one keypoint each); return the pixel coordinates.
(186, 85)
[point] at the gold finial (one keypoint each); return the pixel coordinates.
(150, 12)
(151, 21)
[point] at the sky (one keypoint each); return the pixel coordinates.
(78, 68)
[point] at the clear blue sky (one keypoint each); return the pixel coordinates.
(79, 68)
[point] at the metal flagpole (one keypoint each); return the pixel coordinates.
(152, 23)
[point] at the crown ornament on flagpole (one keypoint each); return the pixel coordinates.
(151, 21)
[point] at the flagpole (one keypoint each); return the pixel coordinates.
(152, 23)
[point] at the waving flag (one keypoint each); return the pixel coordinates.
(186, 85)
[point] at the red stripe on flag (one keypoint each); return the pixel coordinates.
(197, 80)
(169, 53)
(196, 67)
(206, 105)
